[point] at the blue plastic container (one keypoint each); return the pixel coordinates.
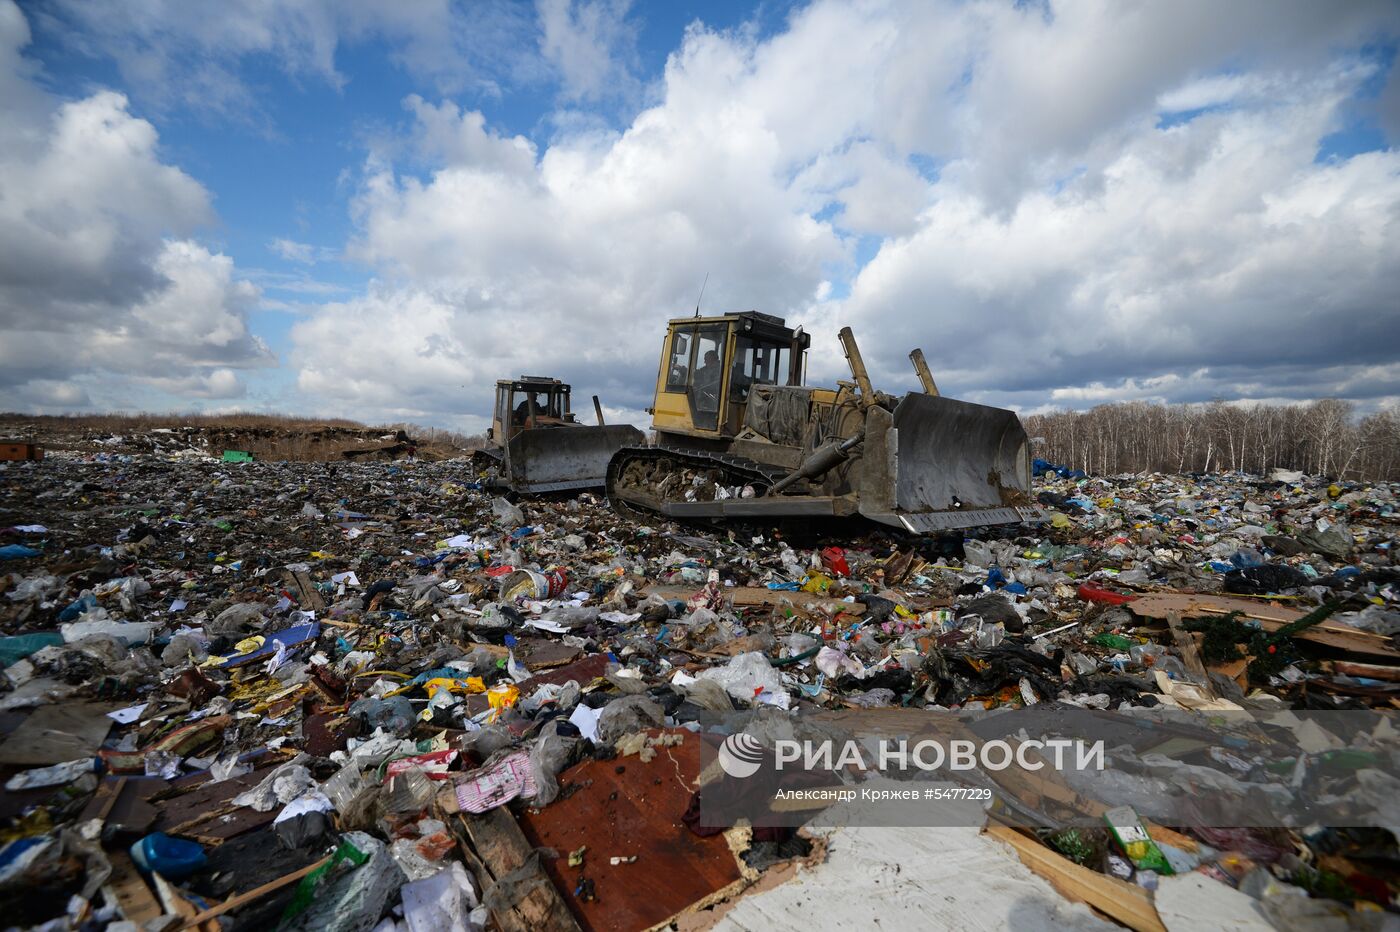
(172, 858)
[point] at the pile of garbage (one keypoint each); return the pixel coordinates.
(375, 696)
(234, 438)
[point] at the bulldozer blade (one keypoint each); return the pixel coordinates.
(948, 464)
(558, 459)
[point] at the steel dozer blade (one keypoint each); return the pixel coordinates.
(558, 459)
(940, 464)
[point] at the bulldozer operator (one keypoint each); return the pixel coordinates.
(707, 382)
(522, 410)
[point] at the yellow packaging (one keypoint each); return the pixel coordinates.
(501, 696)
(470, 684)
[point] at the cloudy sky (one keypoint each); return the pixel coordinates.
(374, 210)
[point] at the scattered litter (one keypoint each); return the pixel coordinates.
(394, 686)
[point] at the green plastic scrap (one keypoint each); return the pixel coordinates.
(1340, 761)
(16, 648)
(1113, 641)
(306, 890)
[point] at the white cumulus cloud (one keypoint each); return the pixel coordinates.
(99, 278)
(993, 183)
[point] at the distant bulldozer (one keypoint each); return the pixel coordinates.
(537, 446)
(739, 436)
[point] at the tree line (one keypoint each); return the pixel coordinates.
(1321, 438)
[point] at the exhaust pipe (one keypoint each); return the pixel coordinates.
(822, 460)
(829, 455)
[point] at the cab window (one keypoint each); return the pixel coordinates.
(757, 363)
(678, 370)
(709, 367)
(546, 405)
(503, 405)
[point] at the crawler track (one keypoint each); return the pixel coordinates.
(641, 479)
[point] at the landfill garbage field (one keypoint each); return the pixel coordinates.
(374, 695)
(271, 437)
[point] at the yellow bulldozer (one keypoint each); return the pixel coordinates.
(739, 436)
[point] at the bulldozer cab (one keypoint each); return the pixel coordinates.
(709, 364)
(528, 402)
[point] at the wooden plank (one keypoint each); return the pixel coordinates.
(310, 599)
(1366, 670)
(121, 803)
(1033, 787)
(248, 896)
(334, 623)
(502, 848)
(133, 897)
(113, 791)
(1270, 618)
(1187, 604)
(752, 596)
(1122, 901)
(497, 839)
(539, 908)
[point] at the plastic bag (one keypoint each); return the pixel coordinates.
(408, 791)
(283, 785)
(394, 715)
(16, 648)
(628, 714)
(236, 619)
(749, 677)
(350, 892)
(509, 514)
(130, 632)
(550, 755)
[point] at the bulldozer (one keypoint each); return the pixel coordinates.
(739, 436)
(537, 445)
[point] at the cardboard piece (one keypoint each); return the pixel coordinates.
(54, 734)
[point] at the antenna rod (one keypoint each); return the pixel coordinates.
(702, 293)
